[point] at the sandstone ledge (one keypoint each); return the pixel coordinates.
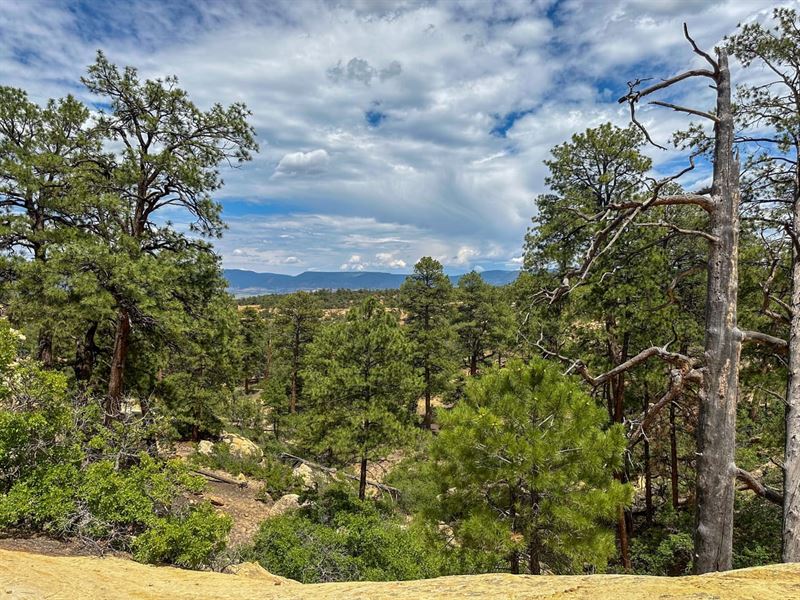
(32, 576)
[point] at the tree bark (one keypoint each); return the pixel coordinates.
(44, 353)
(362, 482)
(85, 354)
(791, 473)
(426, 422)
(648, 473)
(116, 377)
(717, 423)
(673, 456)
(534, 543)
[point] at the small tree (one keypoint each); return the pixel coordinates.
(426, 295)
(525, 467)
(298, 318)
(359, 384)
(256, 345)
(483, 320)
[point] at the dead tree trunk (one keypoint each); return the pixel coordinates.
(791, 472)
(673, 457)
(716, 435)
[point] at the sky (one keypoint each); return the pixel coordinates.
(388, 130)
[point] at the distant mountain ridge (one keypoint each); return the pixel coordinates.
(250, 283)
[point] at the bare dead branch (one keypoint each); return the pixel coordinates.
(691, 111)
(765, 339)
(752, 483)
(676, 229)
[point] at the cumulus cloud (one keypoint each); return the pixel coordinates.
(303, 163)
(378, 122)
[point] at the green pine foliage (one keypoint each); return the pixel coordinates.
(426, 297)
(524, 466)
(361, 387)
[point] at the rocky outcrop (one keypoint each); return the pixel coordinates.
(205, 448)
(24, 575)
(285, 504)
(241, 447)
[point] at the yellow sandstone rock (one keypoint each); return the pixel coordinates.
(32, 576)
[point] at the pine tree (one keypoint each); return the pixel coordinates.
(426, 296)
(483, 320)
(359, 384)
(525, 466)
(297, 321)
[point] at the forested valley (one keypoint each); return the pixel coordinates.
(630, 404)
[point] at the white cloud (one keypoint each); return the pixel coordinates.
(389, 131)
(303, 163)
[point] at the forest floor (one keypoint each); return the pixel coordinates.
(25, 576)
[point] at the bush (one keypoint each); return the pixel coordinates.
(189, 540)
(63, 473)
(354, 547)
(278, 477)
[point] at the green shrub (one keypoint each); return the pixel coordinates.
(189, 540)
(277, 477)
(354, 547)
(63, 473)
(671, 556)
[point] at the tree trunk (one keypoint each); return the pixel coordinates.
(44, 351)
(426, 423)
(673, 456)
(295, 362)
(362, 482)
(116, 376)
(246, 384)
(534, 543)
(473, 364)
(717, 424)
(791, 473)
(85, 355)
(513, 558)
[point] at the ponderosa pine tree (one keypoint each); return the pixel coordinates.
(482, 321)
(256, 344)
(168, 157)
(769, 116)
(426, 296)
(43, 153)
(359, 384)
(525, 465)
(298, 318)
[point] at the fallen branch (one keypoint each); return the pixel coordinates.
(222, 478)
(751, 483)
(392, 491)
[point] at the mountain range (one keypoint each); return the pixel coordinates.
(250, 283)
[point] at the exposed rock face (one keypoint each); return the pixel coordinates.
(24, 575)
(205, 448)
(285, 504)
(241, 446)
(305, 473)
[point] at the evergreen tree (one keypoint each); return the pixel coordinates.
(168, 157)
(359, 385)
(483, 320)
(426, 296)
(297, 321)
(524, 468)
(256, 345)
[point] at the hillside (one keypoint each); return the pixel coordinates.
(32, 576)
(247, 283)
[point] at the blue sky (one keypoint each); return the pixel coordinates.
(388, 130)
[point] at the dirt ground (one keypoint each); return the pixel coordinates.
(25, 576)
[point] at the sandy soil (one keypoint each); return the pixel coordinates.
(33, 576)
